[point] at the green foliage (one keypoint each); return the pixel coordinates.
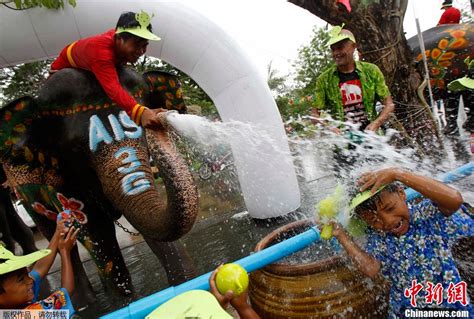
(23, 79)
(193, 94)
(275, 82)
(295, 103)
(50, 4)
(312, 59)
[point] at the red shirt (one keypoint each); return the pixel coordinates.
(96, 54)
(450, 15)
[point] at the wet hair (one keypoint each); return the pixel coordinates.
(4, 277)
(371, 203)
(127, 20)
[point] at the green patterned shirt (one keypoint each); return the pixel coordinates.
(328, 94)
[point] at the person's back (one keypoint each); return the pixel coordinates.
(451, 15)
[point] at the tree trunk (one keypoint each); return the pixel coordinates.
(378, 28)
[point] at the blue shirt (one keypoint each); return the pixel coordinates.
(422, 254)
(57, 300)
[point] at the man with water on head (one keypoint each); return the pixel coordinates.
(102, 54)
(348, 90)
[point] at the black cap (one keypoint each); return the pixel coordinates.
(447, 3)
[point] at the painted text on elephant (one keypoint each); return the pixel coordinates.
(98, 133)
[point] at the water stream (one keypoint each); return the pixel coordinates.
(224, 231)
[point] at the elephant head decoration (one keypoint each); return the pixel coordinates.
(446, 48)
(72, 150)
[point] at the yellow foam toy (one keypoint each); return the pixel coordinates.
(328, 209)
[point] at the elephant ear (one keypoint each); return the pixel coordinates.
(18, 142)
(165, 91)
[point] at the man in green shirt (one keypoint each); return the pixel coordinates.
(349, 89)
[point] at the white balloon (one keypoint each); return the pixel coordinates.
(196, 46)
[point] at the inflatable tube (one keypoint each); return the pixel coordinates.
(196, 46)
(144, 306)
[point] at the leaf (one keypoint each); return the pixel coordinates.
(18, 4)
(72, 3)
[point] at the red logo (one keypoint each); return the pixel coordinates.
(413, 291)
(434, 293)
(457, 292)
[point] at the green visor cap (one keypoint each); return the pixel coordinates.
(338, 34)
(191, 304)
(144, 20)
(13, 262)
(362, 197)
(464, 83)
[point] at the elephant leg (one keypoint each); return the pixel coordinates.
(13, 227)
(6, 235)
(178, 264)
(21, 233)
(101, 242)
(460, 145)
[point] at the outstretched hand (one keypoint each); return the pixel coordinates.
(149, 118)
(239, 302)
(225, 299)
(376, 179)
(68, 240)
(337, 229)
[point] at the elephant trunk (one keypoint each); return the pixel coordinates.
(127, 181)
(182, 193)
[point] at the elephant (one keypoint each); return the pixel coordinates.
(446, 48)
(71, 150)
(12, 227)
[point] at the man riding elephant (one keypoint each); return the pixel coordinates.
(101, 54)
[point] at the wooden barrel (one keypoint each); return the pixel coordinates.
(327, 288)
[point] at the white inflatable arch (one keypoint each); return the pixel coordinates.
(198, 47)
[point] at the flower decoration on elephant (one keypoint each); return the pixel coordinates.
(166, 91)
(71, 207)
(440, 58)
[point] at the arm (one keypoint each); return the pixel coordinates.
(106, 73)
(239, 303)
(443, 19)
(66, 243)
(382, 91)
(446, 198)
(363, 261)
(387, 110)
(43, 265)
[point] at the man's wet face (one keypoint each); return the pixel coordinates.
(18, 289)
(392, 214)
(343, 52)
(132, 48)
